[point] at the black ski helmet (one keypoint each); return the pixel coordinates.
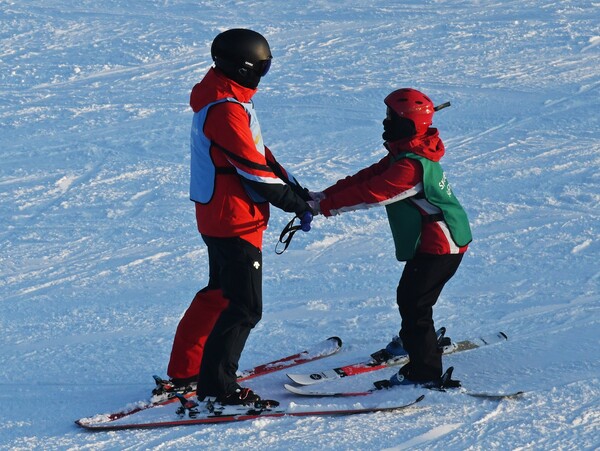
(242, 55)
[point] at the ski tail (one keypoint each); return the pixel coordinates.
(321, 350)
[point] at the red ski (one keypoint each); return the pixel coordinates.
(376, 362)
(323, 349)
(190, 415)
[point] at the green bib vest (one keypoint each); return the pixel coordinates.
(406, 220)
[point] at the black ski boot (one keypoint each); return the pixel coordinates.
(245, 397)
(166, 389)
(402, 377)
(446, 380)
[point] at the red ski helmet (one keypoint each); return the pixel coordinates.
(413, 105)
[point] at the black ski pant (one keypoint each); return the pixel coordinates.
(235, 267)
(421, 283)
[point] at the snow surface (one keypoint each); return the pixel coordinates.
(99, 254)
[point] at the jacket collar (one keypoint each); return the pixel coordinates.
(428, 145)
(215, 86)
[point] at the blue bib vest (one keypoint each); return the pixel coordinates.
(406, 220)
(202, 168)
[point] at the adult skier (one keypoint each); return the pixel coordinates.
(234, 179)
(429, 227)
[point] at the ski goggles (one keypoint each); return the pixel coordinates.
(263, 67)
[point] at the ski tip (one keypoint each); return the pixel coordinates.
(336, 340)
(502, 334)
(420, 398)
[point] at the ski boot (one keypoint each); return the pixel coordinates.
(167, 389)
(402, 377)
(245, 397)
(395, 348)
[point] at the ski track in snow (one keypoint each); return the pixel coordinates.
(99, 254)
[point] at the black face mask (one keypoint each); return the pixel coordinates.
(241, 75)
(251, 77)
(247, 78)
(396, 127)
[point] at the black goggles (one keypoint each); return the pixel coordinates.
(391, 115)
(263, 67)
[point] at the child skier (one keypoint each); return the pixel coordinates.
(429, 227)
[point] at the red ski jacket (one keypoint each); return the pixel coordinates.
(386, 182)
(234, 176)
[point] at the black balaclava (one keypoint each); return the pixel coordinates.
(396, 127)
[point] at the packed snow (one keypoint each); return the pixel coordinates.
(99, 253)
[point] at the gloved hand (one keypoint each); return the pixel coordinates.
(317, 196)
(305, 220)
(315, 206)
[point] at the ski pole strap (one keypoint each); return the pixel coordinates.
(287, 234)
